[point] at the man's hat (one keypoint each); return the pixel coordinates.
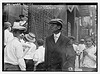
(56, 21)
(30, 37)
(21, 15)
(71, 37)
(7, 24)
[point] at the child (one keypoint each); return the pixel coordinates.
(8, 35)
(29, 49)
(81, 47)
(89, 57)
(72, 41)
(39, 55)
(23, 20)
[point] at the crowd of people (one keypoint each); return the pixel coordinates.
(24, 52)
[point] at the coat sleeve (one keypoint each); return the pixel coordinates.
(70, 59)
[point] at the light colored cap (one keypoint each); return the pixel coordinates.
(19, 27)
(56, 21)
(30, 37)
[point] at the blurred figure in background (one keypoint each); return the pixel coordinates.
(81, 47)
(29, 49)
(75, 46)
(8, 35)
(23, 20)
(39, 55)
(72, 41)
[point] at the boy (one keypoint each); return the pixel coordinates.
(39, 56)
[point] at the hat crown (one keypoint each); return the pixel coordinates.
(17, 25)
(30, 36)
(82, 40)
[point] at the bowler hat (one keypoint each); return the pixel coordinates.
(30, 37)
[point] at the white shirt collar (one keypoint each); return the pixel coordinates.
(57, 35)
(40, 47)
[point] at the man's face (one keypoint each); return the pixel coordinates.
(54, 28)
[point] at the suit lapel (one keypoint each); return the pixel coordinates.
(52, 39)
(59, 40)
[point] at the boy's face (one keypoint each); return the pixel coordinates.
(89, 42)
(20, 33)
(16, 34)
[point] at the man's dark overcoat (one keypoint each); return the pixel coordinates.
(59, 56)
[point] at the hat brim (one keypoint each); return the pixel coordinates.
(19, 28)
(21, 16)
(71, 37)
(55, 21)
(31, 40)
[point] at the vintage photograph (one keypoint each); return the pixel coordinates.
(49, 37)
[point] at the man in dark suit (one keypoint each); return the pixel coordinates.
(59, 54)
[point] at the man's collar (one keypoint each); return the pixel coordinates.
(57, 35)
